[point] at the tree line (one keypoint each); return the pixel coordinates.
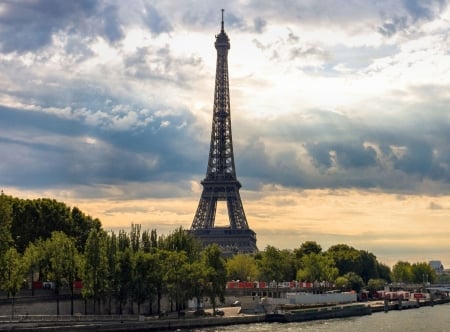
(141, 266)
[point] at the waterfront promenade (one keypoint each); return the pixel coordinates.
(140, 323)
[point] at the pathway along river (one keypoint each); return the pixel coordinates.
(430, 319)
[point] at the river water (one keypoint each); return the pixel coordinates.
(430, 319)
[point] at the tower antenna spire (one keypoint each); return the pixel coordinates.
(222, 20)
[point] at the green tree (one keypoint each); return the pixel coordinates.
(63, 259)
(175, 277)
(384, 272)
(111, 268)
(26, 226)
(306, 248)
(95, 267)
(422, 273)
(12, 274)
(216, 274)
(135, 237)
(153, 277)
(276, 265)
(123, 241)
(180, 240)
(6, 218)
(197, 281)
(401, 272)
(347, 259)
(355, 281)
(149, 240)
(81, 227)
(374, 285)
(144, 284)
(342, 283)
(38, 218)
(242, 267)
(158, 275)
(317, 267)
(33, 258)
(124, 277)
(369, 266)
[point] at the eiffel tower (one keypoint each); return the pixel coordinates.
(221, 183)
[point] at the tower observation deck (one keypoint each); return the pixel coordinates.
(220, 183)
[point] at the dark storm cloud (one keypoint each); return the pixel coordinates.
(69, 152)
(156, 22)
(320, 149)
(30, 25)
(88, 129)
(344, 154)
(111, 25)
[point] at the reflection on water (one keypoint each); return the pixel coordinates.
(428, 319)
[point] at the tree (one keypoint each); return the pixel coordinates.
(12, 274)
(307, 248)
(175, 277)
(216, 274)
(33, 258)
(374, 285)
(149, 240)
(81, 227)
(95, 267)
(342, 283)
(317, 267)
(369, 266)
(180, 240)
(276, 265)
(123, 241)
(124, 277)
(197, 281)
(347, 258)
(242, 267)
(158, 276)
(144, 285)
(62, 256)
(384, 272)
(401, 272)
(153, 276)
(355, 281)
(135, 237)
(38, 218)
(111, 267)
(6, 218)
(422, 273)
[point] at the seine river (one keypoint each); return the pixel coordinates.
(428, 319)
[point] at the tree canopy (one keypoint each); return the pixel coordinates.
(23, 221)
(63, 244)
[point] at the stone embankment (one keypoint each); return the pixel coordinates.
(136, 323)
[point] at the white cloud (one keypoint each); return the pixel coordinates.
(324, 94)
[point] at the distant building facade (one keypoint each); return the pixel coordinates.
(437, 266)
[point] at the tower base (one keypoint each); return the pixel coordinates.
(230, 241)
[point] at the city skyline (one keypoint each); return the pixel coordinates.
(339, 111)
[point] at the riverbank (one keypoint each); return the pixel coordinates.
(140, 323)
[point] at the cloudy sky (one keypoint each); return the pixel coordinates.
(340, 115)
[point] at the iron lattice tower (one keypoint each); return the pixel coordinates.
(221, 183)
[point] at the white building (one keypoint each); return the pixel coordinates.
(437, 266)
